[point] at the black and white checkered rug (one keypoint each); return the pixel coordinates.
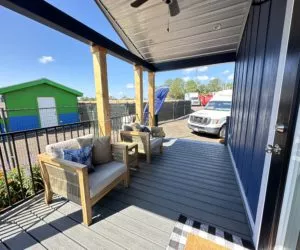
(185, 226)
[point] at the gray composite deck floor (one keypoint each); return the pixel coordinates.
(190, 178)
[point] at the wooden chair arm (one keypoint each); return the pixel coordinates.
(120, 153)
(135, 133)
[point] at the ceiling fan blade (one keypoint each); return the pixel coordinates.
(174, 8)
(138, 3)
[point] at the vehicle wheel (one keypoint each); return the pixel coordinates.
(222, 131)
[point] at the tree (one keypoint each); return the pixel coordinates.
(176, 87)
(85, 98)
(191, 86)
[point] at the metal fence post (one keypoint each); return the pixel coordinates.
(174, 110)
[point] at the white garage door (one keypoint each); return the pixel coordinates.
(47, 111)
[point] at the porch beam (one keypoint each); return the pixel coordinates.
(151, 98)
(138, 82)
(195, 61)
(47, 14)
(101, 86)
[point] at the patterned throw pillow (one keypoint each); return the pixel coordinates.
(82, 155)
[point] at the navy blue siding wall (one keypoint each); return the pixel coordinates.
(255, 77)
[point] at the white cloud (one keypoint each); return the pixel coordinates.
(200, 69)
(186, 78)
(230, 77)
(203, 69)
(226, 72)
(202, 78)
(212, 78)
(129, 86)
(46, 59)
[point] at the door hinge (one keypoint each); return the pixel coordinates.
(276, 149)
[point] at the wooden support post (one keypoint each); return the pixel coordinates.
(138, 80)
(101, 85)
(151, 98)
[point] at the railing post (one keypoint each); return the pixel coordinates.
(101, 85)
(138, 81)
(151, 98)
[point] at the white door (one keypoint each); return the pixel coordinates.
(47, 111)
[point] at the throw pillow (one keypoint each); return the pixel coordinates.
(145, 129)
(82, 155)
(127, 127)
(101, 150)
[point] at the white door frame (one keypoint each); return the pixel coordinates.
(273, 120)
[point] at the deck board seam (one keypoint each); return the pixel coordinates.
(195, 199)
(190, 206)
(177, 212)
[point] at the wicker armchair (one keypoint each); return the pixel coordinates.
(72, 181)
(147, 141)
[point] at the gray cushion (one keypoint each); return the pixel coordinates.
(127, 127)
(56, 150)
(136, 127)
(104, 175)
(85, 141)
(101, 150)
(155, 142)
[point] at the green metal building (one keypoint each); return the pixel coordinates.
(39, 103)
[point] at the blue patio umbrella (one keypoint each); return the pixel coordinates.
(160, 96)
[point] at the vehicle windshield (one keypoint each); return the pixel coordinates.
(194, 98)
(218, 105)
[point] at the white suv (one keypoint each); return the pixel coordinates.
(212, 119)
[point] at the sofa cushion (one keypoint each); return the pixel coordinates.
(82, 155)
(104, 175)
(155, 142)
(56, 150)
(101, 150)
(84, 141)
(136, 127)
(127, 127)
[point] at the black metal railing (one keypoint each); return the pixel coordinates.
(20, 176)
(117, 123)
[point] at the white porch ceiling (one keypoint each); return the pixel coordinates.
(202, 28)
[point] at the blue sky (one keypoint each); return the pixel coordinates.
(30, 51)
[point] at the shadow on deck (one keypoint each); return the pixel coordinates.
(191, 178)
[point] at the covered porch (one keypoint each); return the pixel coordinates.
(191, 179)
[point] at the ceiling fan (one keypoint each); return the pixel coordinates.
(173, 5)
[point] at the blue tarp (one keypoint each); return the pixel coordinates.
(160, 96)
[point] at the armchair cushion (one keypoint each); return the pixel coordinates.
(82, 156)
(155, 142)
(127, 127)
(84, 141)
(101, 150)
(104, 175)
(56, 150)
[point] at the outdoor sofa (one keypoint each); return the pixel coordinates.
(72, 180)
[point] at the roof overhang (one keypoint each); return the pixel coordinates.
(202, 45)
(202, 29)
